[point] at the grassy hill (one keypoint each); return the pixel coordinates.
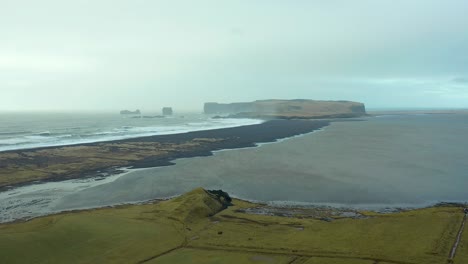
(198, 228)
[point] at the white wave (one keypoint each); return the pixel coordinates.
(43, 133)
(65, 136)
(14, 141)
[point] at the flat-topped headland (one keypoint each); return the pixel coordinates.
(288, 109)
(22, 167)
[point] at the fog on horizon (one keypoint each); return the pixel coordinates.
(109, 55)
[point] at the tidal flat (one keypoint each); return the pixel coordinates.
(376, 164)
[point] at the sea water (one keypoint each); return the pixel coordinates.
(33, 130)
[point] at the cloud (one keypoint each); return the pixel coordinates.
(18, 83)
(147, 53)
(456, 88)
(46, 63)
(461, 80)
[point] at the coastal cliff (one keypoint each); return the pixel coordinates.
(232, 108)
(287, 109)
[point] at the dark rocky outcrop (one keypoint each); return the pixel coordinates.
(222, 196)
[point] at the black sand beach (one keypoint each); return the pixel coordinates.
(232, 138)
(104, 158)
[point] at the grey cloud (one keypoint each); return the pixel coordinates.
(103, 54)
(461, 80)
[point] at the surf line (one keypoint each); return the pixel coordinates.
(457, 241)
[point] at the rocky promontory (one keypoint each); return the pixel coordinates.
(288, 109)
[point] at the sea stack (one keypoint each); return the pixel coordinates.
(167, 111)
(128, 112)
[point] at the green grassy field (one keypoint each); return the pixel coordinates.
(189, 255)
(192, 229)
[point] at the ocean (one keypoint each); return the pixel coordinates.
(34, 130)
(376, 163)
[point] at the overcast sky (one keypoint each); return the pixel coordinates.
(146, 54)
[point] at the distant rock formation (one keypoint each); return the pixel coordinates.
(233, 108)
(167, 111)
(128, 112)
(288, 109)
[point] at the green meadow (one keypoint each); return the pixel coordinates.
(197, 228)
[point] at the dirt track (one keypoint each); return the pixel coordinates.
(457, 241)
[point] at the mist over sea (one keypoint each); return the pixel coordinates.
(380, 162)
(33, 130)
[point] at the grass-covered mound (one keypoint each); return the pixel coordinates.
(195, 205)
(200, 227)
